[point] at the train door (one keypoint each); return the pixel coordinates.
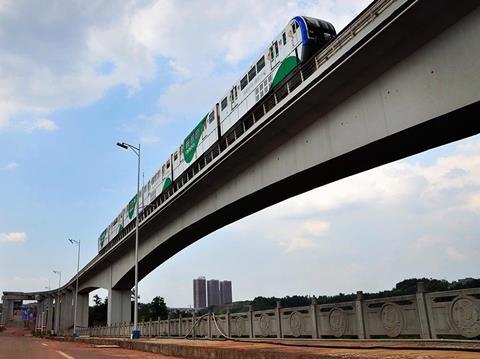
(217, 110)
(233, 97)
(273, 54)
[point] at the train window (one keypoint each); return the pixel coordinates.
(243, 82)
(175, 156)
(252, 73)
(284, 37)
(224, 103)
(260, 64)
(270, 53)
(168, 164)
(211, 117)
(276, 48)
(294, 27)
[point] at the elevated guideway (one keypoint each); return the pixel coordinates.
(402, 78)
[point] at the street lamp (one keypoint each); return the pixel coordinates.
(59, 277)
(73, 241)
(135, 332)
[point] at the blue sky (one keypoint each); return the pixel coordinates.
(77, 78)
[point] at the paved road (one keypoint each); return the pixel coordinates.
(14, 345)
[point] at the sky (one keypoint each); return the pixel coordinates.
(76, 77)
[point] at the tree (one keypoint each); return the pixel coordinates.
(158, 308)
(97, 300)
(97, 315)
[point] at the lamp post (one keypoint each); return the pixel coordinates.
(135, 332)
(59, 278)
(73, 241)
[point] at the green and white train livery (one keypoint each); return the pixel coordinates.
(296, 43)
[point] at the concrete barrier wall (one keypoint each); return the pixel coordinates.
(452, 314)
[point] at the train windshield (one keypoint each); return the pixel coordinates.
(317, 26)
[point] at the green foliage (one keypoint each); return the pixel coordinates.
(237, 307)
(153, 310)
(97, 300)
(473, 283)
(97, 315)
(174, 314)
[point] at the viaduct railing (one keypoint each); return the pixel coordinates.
(452, 314)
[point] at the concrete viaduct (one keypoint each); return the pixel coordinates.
(401, 78)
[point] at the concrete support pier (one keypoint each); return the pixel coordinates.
(82, 310)
(57, 313)
(119, 306)
(7, 310)
(66, 312)
(50, 314)
(40, 314)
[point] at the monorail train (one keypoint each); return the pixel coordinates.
(299, 40)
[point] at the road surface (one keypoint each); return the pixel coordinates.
(15, 345)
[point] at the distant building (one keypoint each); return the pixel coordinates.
(199, 293)
(213, 292)
(225, 292)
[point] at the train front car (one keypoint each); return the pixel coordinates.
(315, 34)
(103, 240)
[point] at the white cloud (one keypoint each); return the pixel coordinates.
(9, 166)
(51, 52)
(315, 228)
(298, 235)
(45, 124)
(299, 243)
(16, 237)
(473, 201)
(455, 254)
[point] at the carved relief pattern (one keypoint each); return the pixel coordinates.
(264, 324)
(295, 322)
(465, 316)
(337, 319)
(392, 319)
(238, 326)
